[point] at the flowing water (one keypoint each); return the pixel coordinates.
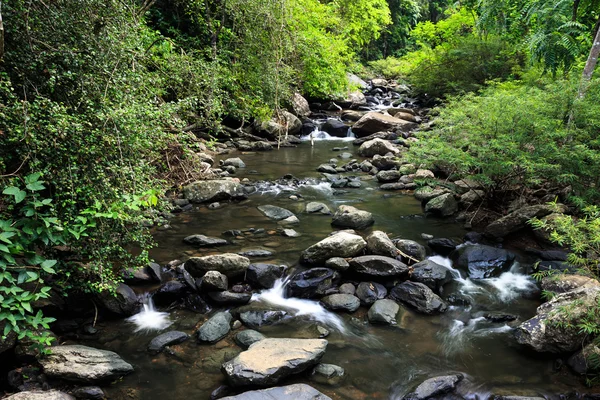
(381, 362)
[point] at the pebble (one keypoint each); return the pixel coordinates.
(236, 324)
(426, 236)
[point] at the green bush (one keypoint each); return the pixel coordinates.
(515, 135)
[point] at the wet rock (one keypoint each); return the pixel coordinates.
(311, 283)
(411, 248)
(337, 263)
(555, 327)
(384, 163)
(228, 263)
(327, 374)
(403, 114)
(227, 297)
(442, 246)
(293, 220)
(427, 193)
(40, 395)
(435, 387)
(84, 364)
(194, 302)
(565, 283)
(516, 220)
(264, 275)
(341, 302)
(327, 169)
(377, 147)
(373, 122)
(290, 233)
(137, 276)
(234, 162)
(369, 292)
(214, 281)
(340, 245)
(443, 206)
(298, 391)
(274, 212)
(256, 319)
(431, 274)
(351, 217)
(419, 297)
(155, 271)
(300, 106)
(393, 186)
(258, 253)
(557, 266)
(270, 360)
(351, 115)
(388, 176)
(347, 288)
(170, 292)
(248, 337)
(166, 339)
(499, 317)
(335, 128)
(89, 393)
(482, 262)
(517, 398)
(378, 266)
(205, 241)
(585, 360)
(216, 328)
(124, 302)
(314, 207)
(383, 312)
(213, 190)
(378, 243)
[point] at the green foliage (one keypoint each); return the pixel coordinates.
(515, 135)
(451, 58)
(27, 231)
(580, 234)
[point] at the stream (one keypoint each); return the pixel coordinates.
(381, 362)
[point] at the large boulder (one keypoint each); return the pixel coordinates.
(274, 212)
(373, 122)
(383, 311)
(377, 146)
(378, 266)
(443, 206)
(270, 360)
(356, 81)
(433, 387)
(264, 275)
(300, 106)
(335, 128)
(287, 124)
(555, 328)
(297, 391)
(216, 328)
(311, 283)
(41, 395)
(410, 249)
(84, 364)
(431, 274)
(341, 302)
(562, 283)
(378, 243)
(442, 246)
(342, 244)
(354, 99)
(123, 302)
(482, 261)
(585, 360)
(352, 217)
(213, 190)
(419, 297)
(166, 339)
(228, 263)
(369, 292)
(516, 220)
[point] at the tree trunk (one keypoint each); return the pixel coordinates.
(590, 65)
(1, 34)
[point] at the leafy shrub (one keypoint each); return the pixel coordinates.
(515, 135)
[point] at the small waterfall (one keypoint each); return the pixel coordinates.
(148, 319)
(276, 296)
(350, 134)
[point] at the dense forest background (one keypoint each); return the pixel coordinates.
(103, 105)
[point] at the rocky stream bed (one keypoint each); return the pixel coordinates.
(325, 270)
